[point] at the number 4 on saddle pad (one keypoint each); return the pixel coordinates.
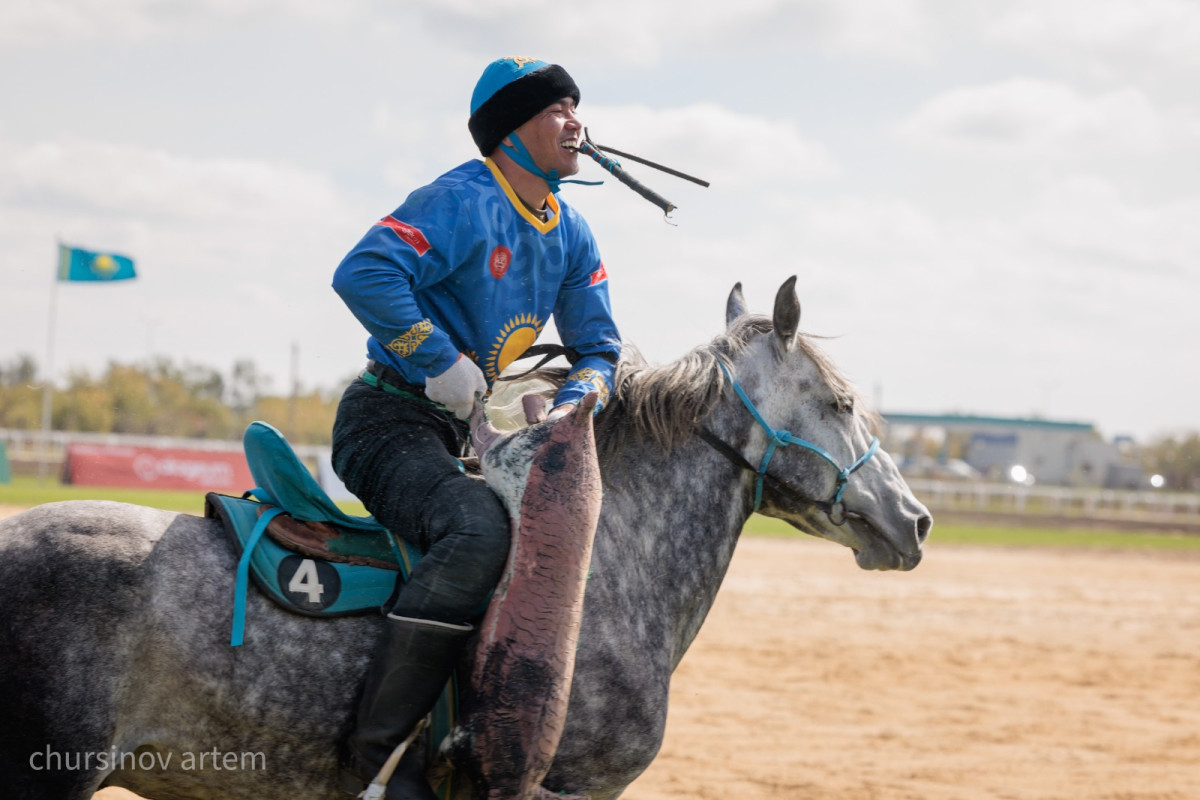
(314, 558)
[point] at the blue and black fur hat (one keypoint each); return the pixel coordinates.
(510, 92)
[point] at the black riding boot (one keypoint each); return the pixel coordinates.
(403, 682)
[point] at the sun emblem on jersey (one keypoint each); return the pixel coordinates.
(517, 336)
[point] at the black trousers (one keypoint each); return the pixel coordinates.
(400, 457)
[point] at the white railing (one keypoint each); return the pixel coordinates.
(1157, 506)
(28, 444)
(1061, 501)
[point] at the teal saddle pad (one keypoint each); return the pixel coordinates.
(297, 581)
(301, 581)
(329, 584)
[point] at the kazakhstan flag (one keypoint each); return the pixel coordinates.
(75, 264)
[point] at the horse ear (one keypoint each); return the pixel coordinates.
(787, 314)
(735, 306)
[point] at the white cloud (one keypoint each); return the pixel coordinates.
(713, 143)
(28, 22)
(1108, 38)
(418, 147)
(217, 241)
(1025, 117)
(1103, 37)
(1037, 212)
(634, 32)
(81, 175)
(41, 21)
(895, 29)
(1086, 216)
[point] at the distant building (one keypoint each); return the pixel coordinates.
(1045, 451)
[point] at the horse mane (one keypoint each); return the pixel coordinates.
(666, 403)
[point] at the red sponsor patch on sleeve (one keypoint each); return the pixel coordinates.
(407, 233)
(599, 275)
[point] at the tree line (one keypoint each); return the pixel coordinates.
(163, 398)
(1177, 459)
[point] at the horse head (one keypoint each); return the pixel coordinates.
(809, 441)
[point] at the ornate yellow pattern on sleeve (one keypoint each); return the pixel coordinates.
(589, 375)
(407, 343)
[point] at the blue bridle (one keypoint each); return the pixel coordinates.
(777, 439)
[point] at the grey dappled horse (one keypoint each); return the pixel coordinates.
(115, 618)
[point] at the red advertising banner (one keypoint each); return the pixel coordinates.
(155, 468)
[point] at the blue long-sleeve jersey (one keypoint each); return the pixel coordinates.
(464, 266)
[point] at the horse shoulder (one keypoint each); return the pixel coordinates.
(618, 708)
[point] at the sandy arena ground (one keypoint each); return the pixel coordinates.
(985, 674)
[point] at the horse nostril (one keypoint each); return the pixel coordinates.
(924, 524)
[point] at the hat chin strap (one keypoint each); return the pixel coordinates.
(520, 154)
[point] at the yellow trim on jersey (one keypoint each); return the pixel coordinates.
(530, 217)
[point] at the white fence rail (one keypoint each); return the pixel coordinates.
(1154, 506)
(1059, 501)
(28, 444)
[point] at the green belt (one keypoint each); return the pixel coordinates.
(373, 380)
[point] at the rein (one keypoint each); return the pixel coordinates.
(781, 438)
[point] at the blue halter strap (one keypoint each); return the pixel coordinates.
(777, 439)
(520, 154)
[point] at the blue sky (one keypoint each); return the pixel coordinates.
(990, 206)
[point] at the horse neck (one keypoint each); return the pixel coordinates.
(672, 518)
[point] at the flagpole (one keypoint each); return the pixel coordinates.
(95, 266)
(48, 378)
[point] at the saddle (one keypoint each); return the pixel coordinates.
(308, 555)
(300, 549)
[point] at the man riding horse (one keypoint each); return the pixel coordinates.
(453, 286)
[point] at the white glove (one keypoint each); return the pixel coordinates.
(457, 387)
(560, 411)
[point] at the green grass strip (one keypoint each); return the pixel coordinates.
(1001, 536)
(28, 490)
